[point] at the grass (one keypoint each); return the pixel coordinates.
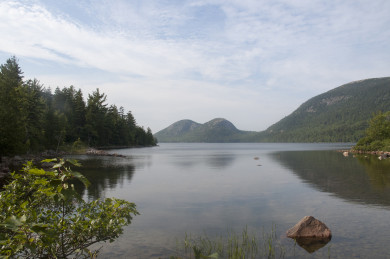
(232, 246)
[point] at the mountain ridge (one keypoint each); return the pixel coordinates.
(215, 130)
(338, 115)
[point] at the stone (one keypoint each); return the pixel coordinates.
(309, 227)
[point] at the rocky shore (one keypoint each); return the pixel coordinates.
(380, 154)
(99, 152)
(10, 164)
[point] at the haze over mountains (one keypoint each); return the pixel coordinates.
(339, 115)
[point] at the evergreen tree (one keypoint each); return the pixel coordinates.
(95, 119)
(33, 119)
(34, 108)
(12, 132)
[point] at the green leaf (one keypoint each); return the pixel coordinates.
(49, 160)
(36, 171)
(57, 165)
(12, 223)
(40, 228)
(74, 162)
(68, 194)
(81, 177)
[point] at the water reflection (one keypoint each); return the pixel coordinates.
(377, 170)
(220, 160)
(214, 160)
(312, 244)
(364, 180)
(103, 173)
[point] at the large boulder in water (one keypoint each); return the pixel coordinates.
(309, 227)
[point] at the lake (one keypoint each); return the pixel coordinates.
(212, 189)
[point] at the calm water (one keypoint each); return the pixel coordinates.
(209, 189)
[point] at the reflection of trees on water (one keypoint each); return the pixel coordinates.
(377, 170)
(104, 173)
(353, 179)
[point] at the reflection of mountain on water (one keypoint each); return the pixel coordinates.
(103, 173)
(361, 180)
(217, 160)
(220, 160)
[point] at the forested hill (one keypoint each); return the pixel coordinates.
(32, 118)
(216, 130)
(339, 115)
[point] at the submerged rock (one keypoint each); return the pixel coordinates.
(309, 227)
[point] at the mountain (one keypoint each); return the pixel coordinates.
(216, 130)
(339, 115)
(176, 131)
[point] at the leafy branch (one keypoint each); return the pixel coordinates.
(42, 215)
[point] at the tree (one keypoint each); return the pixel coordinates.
(150, 140)
(42, 216)
(95, 118)
(377, 135)
(33, 119)
(34, 108)
(12, 132)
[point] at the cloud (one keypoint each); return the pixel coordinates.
(208, 57)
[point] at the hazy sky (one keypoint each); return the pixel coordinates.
(249, 61)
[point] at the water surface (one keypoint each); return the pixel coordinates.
(207, 189)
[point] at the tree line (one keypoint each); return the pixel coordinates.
(377, 136)
(32, 118)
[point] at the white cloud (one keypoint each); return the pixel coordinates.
(206, 58)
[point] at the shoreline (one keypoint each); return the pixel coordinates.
(381, 154)
(10, 164)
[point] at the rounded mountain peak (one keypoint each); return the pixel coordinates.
(221, 123)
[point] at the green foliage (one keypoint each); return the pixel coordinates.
(34, 119)
(12, 118)
(377, 137)
(42, 216)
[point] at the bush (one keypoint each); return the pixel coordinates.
(42, 216)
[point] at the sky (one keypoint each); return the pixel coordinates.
(252, 62)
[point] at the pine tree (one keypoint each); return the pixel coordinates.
(12, 131)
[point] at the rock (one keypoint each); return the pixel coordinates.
(309, 227)
(345, 153)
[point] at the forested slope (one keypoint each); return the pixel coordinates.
(339, 115)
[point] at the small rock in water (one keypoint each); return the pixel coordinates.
(309, 227)
(310, 233)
